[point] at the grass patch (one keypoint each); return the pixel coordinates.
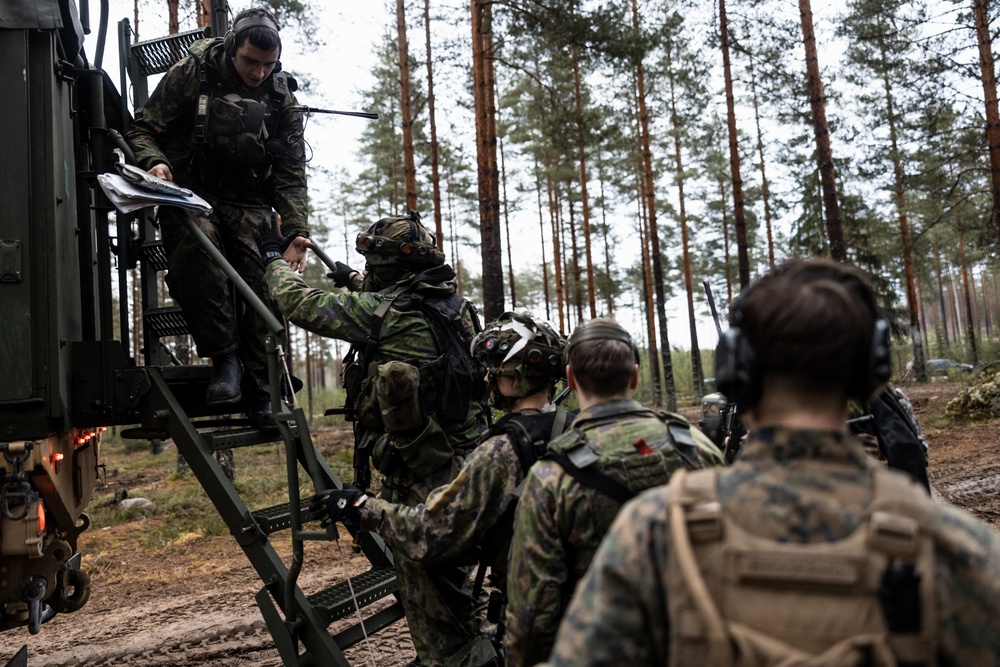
(180, 509)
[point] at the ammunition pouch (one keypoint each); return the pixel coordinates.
(236, 131)
(397, 392)
(426, 452)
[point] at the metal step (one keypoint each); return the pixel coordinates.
(157, 55)
(168, 321)
(220, 440)
(272, 519)
(337, 602)
(155, 254)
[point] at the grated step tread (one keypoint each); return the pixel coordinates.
(272, 519)
(336, 602)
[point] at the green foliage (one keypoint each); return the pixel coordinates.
(980, 401)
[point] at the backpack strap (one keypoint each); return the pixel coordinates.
(684, 500)
(577, 464)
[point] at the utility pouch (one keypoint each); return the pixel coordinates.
(397, 391)
(426, 452)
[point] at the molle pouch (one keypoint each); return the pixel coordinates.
(368, 410)
(226, 116)
(397, 390)
(249, 149)
(426, 452)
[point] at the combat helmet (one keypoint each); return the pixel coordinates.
(523, 347)
(399, 241)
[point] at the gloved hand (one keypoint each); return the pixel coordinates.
(338, 504)
(270, 243)
(341, 275)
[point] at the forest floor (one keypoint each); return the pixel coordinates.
(191, 601)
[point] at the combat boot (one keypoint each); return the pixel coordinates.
(261, 416)
(226, 375)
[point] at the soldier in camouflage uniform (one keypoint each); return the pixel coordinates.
(615, 449)
(223, 122)
(805, 550)
(472, 518)
(415, 417)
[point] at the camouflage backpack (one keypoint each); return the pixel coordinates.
(618, 474)
(739, 599)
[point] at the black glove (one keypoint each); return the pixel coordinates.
(270, 243)
(341, 275)
(338, 505)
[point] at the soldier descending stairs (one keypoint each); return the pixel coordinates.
(168, 400)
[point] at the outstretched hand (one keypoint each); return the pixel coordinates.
(338, 505)
(295, 253)
(341, 275)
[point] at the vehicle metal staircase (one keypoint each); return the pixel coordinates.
(166, 400)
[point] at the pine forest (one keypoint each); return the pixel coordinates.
(647, 159)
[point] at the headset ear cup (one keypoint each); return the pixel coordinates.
(228, 42)
(879, 368)
(736, 373)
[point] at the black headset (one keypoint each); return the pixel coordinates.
(254, 20)
(738, 374)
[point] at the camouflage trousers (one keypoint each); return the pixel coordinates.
(437, 598)
(200, 287)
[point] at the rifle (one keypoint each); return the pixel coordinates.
(731, 429)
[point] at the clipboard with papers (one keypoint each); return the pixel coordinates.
(132, 189)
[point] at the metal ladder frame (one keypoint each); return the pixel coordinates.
(296, 620)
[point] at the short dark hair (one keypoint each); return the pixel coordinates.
(810, 323)
(602, 366)
(261, 36)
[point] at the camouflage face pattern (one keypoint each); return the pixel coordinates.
(401, 240)
(524, 348)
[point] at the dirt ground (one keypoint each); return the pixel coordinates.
(192, 603)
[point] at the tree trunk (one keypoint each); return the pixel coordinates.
(432, 120)
(824, 153)
(652, 226)
(541, 239)
(486, 155)
(986, 306)
(970, 324)
(584, 202)
(742, 256)
(919, 369)
(647, 290)
(173, 24)
(764, 188)
(981, 16)
(946, 349)
(506, 227)
(203, 13)
(610, 302)
(577, 282)
(697, 376)
(725, 240)
(406, 109)
(556, 244)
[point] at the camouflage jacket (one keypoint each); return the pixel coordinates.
(348, 316)
(792, 486)
(558, 525)
(164, 133)
(455, 518)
